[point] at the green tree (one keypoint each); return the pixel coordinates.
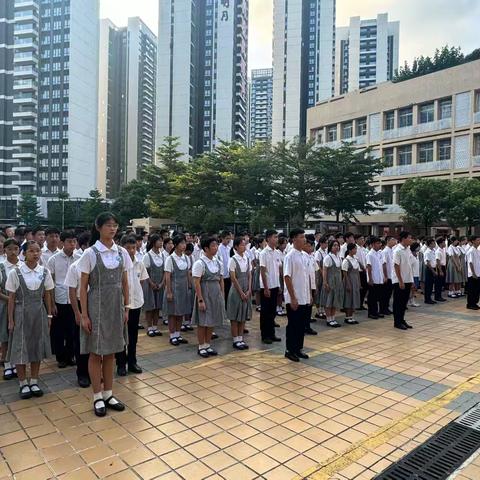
(463, 203)
(132, 202)
(28, 210)
(95, 205)
(344, 177)
(423, 200)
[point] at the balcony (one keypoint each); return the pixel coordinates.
(26, 156)
(24, 127)
(443, 124)
(399, 170)
(25, 169)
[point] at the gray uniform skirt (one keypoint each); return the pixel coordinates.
(352, 297)
(30, 339)
(214, 314)
(153, 299)
(454, 275)
(181, 302)
(3, 306)
(237, 309)
(333, 298)
(256, 278)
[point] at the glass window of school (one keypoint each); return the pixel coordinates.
(361, 128)
(476, 145)
(445, 108)
(332, 133)
(405, 117)
(476, 104)
(426, 113)
(389, 120)
(425, 152)
(347, 130)
(388, 157)
(387, 193)
(405, 155)
(444, 149)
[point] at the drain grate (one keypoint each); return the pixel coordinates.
(442, 454)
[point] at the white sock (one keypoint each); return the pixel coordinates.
(33, 381)
(151, 328)
(172, 335)
(97, 396)
(7, 365)
(177, 334)
(236, 339)
(202, 345)
(206, 345)
(23, 383)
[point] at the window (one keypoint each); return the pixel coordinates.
(389, 120)
(476, 103)
(387, 192)
(347, 130)
(405, 155)
(332, 133)
(388, 157)
(425, 152)
(405, 117)
(476, 145)
(361, 127)
(444, 149)
(426, 113)
(445, 108)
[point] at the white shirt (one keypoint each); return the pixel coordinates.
(376, 260)
(415, 264)
(453, 251)
(158, 258)
(388, 256)
(330, 258)
(78, 253)
(401, 257)
(198, 268)
(429, 257)
(3, 258)
(353, 261)
(296, 266)
(197, 251)
(182, 262)
(224, 255)
(136, 274)
(139, 255)
(343, 250)
(320, 254)
(269, 259)
(473, 256)
(313, 268)
(73, 277)
(441, 254)
(243, 262)
(33, 278)
(361, 256)
(48, 254)
(58, 265)
(110, 257)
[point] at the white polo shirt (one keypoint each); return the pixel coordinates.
(296, 266)
(182, 262)
(473, 257)
(270, 260)
(361, 256)
(73, 278)
(429, 257)
(136, 274)
(224, 256)
(110, 257)
(213, 265)
(243, 262)
(388, 256)
(441, 254)
(401, 257)
(158, 258)
(33, 278)
(58, 265)
(376, 260)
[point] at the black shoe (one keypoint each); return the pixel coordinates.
(302, 355)
(189, 328)
(151, 333)
(333, 324)
(276, 339)
(212, 352)
(62, 364)
(313, 320)
(25, 392)
(165, 322)
(276, 325)
(118, 406)
(121, 371)
(430, 302)
(291, 356)
(100, 409)
(158, 333)
(361, 308)
(238, 345)
(203, 352)
(374, 317)
(246, 330)
(407, 325)
(214, 336)
(8, 374)
(183, 328)
(440, 300)
(174, 341)
(401, 327)
(135, 369)
(182, 340)
(141, 327)
(267, 341)
(71, 362)
(36, 390)
(309, 331)
(83, 382)
(350, 321)
(474, 307)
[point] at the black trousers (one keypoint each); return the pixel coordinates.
(82, 360)
(375, 293)
(268, 312)
(363, 287)
(473, 291)
(400, 301)
(62, 333)
(295, 328)
(123, 358)
(439, 282)
(227, 284)
(385, 297)
(429, 281)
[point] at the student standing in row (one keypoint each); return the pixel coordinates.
(281, 247)
(390, 242)
(52, 240)
(454, 276)
(239, 302)
(430, 270)
(298, 295)
(376, 278)
(104, 298)
(29, 315)
(351, 280)
(441, 263)
(473, 262)
(309, 248)
(415, 264)
(224, 256)
(332, 290)
(361, 256)
(209, 310)
(320, 254)
(402, 279)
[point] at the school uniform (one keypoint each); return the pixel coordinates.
(139, 254)
(473, 291)
(256, 271)
(224, 256)
(47, 254)
(105, 267)
(237, 309)
(334, 296)
(387, 286)
(5, 268)
(30, 340)
(154, 264)
(136, 275)
(351, 294)
(361, 256)
(429, 259)
(320, 254)
(454, 265)
(439, 281)
(401, 257)
(179, 306)
(343, 250)
(268, 259)
(415, 265)
(312, 270)
(376, 261)
(73, 280)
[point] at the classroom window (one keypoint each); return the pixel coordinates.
(426, 113)
(361, 127)
(425, 152)
(388, 157)
(444, 149)
(405, 117)
(332, 133)
(405, 155)
(445, 108)
(476, 103)
(347, 130)
(476, 145)
(387, 193)
(389, 120)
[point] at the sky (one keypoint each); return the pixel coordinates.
(424, 24)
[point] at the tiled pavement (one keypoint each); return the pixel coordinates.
(368, 395)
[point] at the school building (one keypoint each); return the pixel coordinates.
(428, 126)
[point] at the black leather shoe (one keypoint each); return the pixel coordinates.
(246, 330)
(121, 371)
(291, 356)
(36, 390)
(99, 408)
(474, 307)
(267, 341)
(25, 392)
(381, 315)
(430, 302)
(214, 336)
(118, 406)
(71, 362)
(276, 339)
(401, 327)
(440, 300)
(83, 382)
(361, 308)
(62, 364)
(310, 331)
(302, 355)
(373, 317)
(135, 369)
(407, 325)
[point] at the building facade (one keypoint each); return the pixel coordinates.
(366, 53)
(126, 103)
(202, 84)
(260, 110)
(427, 126)
(303, 62)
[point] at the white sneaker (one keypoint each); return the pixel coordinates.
(415, 304)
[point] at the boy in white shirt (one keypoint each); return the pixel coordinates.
(430, 270)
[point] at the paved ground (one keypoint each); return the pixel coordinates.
(368, 395)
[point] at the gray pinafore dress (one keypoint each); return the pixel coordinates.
(191, 290)
(30, 339)
(105, 310)
(237, 309)
(352, 298)
(318, 284)
(3, 306)
(214, 314)
(180, 305)
(256, 274)
(334, 297)
(153, 299)
(454, 275)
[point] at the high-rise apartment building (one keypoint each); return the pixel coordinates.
(202, 80)
(260, 111)
(127, 85)
(7, 189)
(303, 62)
(366, 53)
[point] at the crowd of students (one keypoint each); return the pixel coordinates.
(80, 296)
